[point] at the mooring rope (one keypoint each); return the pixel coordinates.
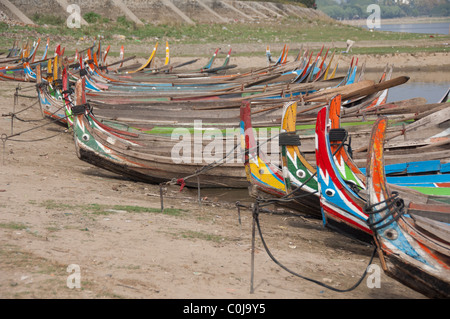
(395, 206)
(13, 115)
(198, 172)
(288, 197)
(260, 202)
(255, 214)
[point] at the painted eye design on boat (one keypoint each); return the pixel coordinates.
(261, 171)
(85, 137)
(300, 173)
(391, 234)
(329, 192)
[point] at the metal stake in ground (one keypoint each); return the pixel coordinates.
(254, 213)
(161, 197)
(16, 101)
(3, 138)
(198, 191)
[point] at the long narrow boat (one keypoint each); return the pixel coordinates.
(153, 159)
(147, 63)
(342, 184)
(413, 240)
(342, 205)
(295, 184)
(298, 173)
(426, 132)
(283, 70)
(184, 111)
(265, 177)
(185, 115)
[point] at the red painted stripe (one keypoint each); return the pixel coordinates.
(339, 217)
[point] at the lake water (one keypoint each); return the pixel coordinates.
(428, 28)
(433, 92)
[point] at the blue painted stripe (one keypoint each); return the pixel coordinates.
(416, 184)
(445, 168)
(419, 179)
(415, 167)
(396, 168)
(424, 166)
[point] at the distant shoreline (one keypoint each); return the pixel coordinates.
(417, 20)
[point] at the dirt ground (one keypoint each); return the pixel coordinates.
(50, 220)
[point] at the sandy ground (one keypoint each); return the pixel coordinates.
(48, 222)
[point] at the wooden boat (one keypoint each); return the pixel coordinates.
(429, 133)
(222, 112)
(286, 71)
(146, 158)
(214, 108)
(298, 173)
(136, 115)
(342, 188)
(97, 81)
(170, 114)
(413, 240)
(341, 202)
(266, 180)
(446, 97)
(342, 185)
(143, 157)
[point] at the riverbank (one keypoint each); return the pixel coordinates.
(59, 214)
(69, 230)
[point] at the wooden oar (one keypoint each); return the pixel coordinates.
(356, 90)
(432, 117)
(375, 109)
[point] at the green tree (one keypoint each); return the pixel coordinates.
(335, 12)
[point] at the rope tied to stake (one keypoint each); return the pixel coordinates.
(255, 214)
(182, 181)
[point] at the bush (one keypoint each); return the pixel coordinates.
(3, 26)
(388, 12)
(442, 10)
(122, 20)
(47, 19)
(92, 17)
(335, 12)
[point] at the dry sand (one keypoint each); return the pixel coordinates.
(47, 223)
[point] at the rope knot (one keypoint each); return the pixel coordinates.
(182, 183)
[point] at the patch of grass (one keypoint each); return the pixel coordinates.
(398, 49)
(288, 30)
(92, 17)
(136, 209)
(99, 209)
(52, 279)
(13, 226)
(53, 205)
(10, 255)
(139, 209)
(3, 26)
(201, 235)
(47, 19)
